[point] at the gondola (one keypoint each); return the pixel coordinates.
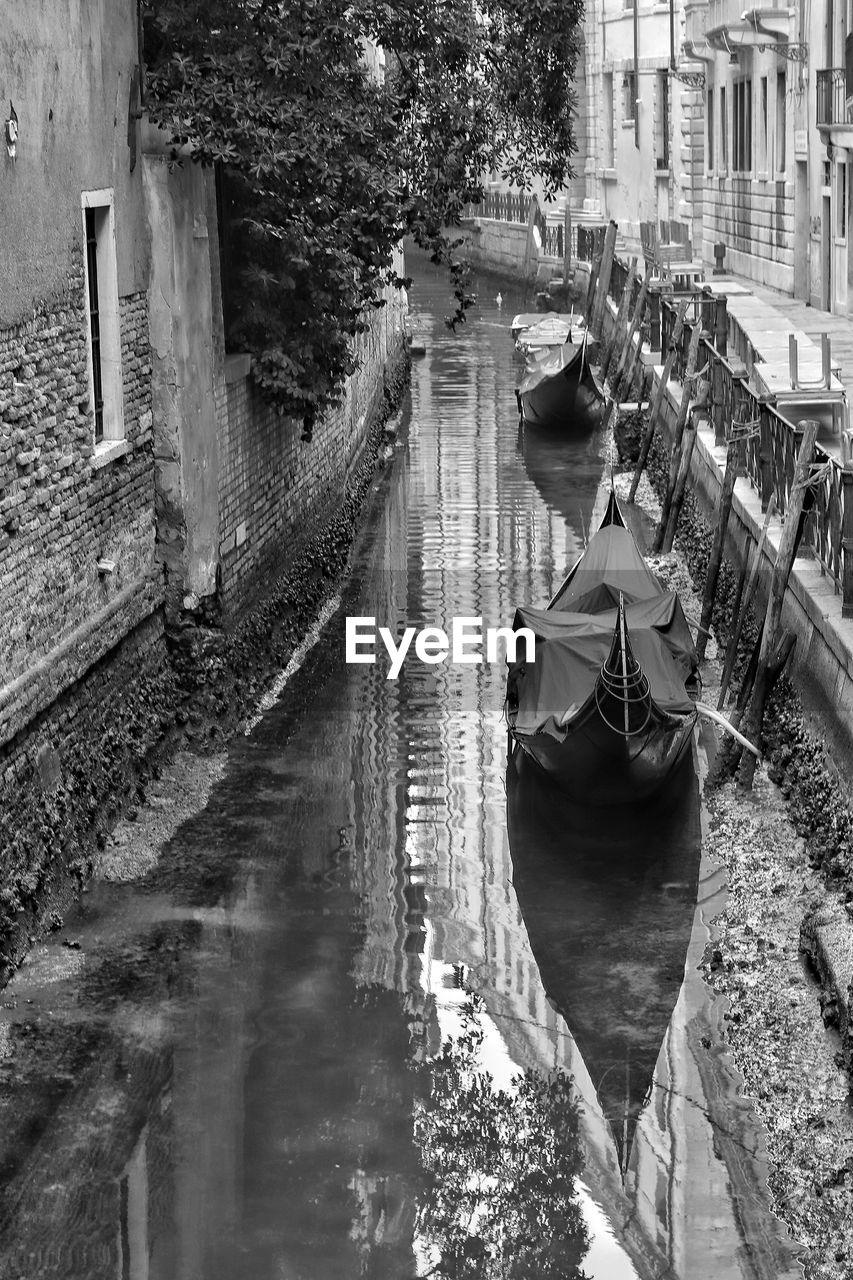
(608, 903)
(560, 392)
(608, 705)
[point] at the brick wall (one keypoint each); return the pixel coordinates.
(84, 686)
(63, 777)
(275, 488)
(61, 512)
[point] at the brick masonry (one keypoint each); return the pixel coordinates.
(276, 489)
(84, 687)
(61, 513)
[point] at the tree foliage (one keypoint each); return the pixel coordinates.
(330, 164)
(501, 1200)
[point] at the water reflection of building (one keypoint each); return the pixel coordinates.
(501, 544)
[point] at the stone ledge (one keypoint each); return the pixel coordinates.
(107, 451)
(40, 686)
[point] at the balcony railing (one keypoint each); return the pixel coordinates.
(832, 97)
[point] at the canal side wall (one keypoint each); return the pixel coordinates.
(144, 577)
(498, 246)
(83, 665)
(274, 486)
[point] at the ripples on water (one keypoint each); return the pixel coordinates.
(246, 1070)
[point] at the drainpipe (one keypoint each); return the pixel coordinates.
(636, 73)
(672, 35)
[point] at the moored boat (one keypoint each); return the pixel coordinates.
(607, 707)
(560, 392)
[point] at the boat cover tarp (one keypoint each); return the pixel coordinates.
(549, 363)
(572, 647)
(611, 563)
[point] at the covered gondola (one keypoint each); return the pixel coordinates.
(607, 707)
(560, 392)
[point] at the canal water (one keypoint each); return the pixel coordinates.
(388, 1008)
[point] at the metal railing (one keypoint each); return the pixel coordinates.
(504, 206)
(772, 444)
(832, 97)
(514, 206)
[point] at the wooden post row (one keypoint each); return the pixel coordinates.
(654, 412)
(631, 350)
(621, 319)
(680, 422)
(733, 462)
(768, 654)
(600, 300)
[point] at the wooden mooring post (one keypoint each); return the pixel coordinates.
(567, 242)
(688, 440)
(596, 323)
(621, 320)
(733, 463)
(628, 344)
(775, 647)
(655, 411)
(634, 359)
(678, 437)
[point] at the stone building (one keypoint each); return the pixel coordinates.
(641, 136)
(823, 141)
(755, 193)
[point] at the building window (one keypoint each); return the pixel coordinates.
(762, 128)
(629, 96)
(607, 120)
(104, 337)
(662, 122)
(710, 127)
(724, 132)
(841, 201)
(742, 127)
(781, 121)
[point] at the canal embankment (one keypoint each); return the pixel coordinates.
(809, 726)
(776, 1016)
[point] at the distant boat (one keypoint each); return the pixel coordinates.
(560, 392)
(608, 706)
(608, 903)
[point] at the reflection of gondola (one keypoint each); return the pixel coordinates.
(559, 390)
(606, 706)
(566, 471)
(608, 902)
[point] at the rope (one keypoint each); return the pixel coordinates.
(820, 471)
(700, 373)
(746, 429)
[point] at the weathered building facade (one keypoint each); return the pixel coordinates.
(753, 98)
(81, 635)
(642, 134)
